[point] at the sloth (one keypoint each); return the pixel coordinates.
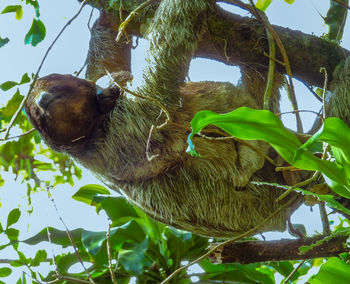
(109, 133)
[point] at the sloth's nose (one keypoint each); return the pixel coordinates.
(44, 99)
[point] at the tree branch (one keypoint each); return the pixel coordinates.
(261, 251)
(236, 40)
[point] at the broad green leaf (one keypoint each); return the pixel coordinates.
(36, 34)
(57, 237)
(251, 124)
(333, 271)
(4, 41)
(5, 271)
(13, 217)
(14, 9)
(40, 256)
(25, 79)
(134, 260)
(87, 192)
(116, 208)
(240, 273)
(263, 4)
(92, 241)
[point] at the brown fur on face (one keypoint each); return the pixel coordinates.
(66, 110)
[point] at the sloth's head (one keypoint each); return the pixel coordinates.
(67, 110)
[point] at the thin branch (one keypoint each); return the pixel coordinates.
(70, 237)
(109, 253)
(246, 234)
(285, 59)
(14, 117)
(129, 18)
(21, 135)
(324, 219)
(293, 272)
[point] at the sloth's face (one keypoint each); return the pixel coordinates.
(66, 110)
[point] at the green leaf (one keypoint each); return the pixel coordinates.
(4, 41)
(13, 217)
(263, 4)
(14, 9)
(87, 192)
(1, 228)
(251, 124)
(8, 85)
(5, 271)
(92, 241)
(36, 34)
(57, 237)
(289, 1)
(25, 79)
(134, 260)
(12, 234)
(116, 208)
(40, 256)
(333, 271)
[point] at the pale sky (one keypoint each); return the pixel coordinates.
(68, 55)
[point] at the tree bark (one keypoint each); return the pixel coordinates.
(261, 251)
(242, 41)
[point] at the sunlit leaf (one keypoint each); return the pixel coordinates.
(251, 124)
(14, 9)
(333, 271)
(5, 271)
(263, 4)
(36, 34)
(87, 192)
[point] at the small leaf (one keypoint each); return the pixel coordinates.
(87, 192)
(12, 234)
(5, 271)
(40, 256)
(289, 1)
(25, 79)
(36, 34)
(4, 41)
(13, 217)
(14, 9)
(8, 85)
(263, 4)
(35, 4)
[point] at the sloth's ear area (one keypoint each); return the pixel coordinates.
(107, 98)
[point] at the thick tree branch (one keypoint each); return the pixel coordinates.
(242, 41)
(261, 251)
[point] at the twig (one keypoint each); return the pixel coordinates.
(162, 107)
(90, 17)
(297, 185)
(69, 236)
(324, 219)
(53, 253)
(109, 253)
(302, 110)
(21, 135)
(129, 18)
(293, 272)
(14, 117)
(246, 234)
(285, 59)
(324, 90)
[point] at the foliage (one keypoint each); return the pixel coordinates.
(142, 247)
